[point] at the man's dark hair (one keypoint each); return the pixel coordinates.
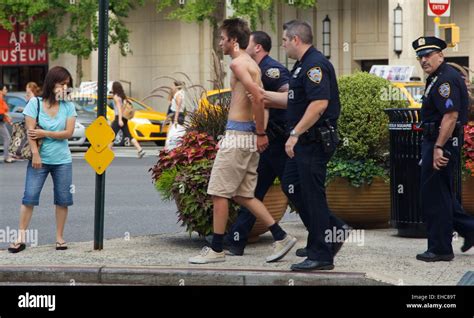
(237, 29)
(262, 38)
(56, 75)
(300, 28)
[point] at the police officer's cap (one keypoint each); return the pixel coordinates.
(426, 44)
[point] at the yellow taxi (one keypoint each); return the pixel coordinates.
(412, 92)
(214, 97)
(146, 125)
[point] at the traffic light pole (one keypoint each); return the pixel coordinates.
(101, 107)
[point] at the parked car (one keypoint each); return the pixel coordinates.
(146, 125)
(17, 102)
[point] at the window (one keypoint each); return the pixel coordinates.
(14, 102)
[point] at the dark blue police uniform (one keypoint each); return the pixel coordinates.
(312, 78)
(272, 160)
(445, 92)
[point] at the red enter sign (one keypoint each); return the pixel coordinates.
(439, 7)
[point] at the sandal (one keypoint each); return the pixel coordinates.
(17, 247)
(61, 246)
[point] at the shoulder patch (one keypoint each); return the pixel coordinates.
(315, 74)
(444, 90)
(273, 72)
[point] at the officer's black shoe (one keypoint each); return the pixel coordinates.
(302, 252)
(336, 247)
(234, 250)
(432, 257)
(309, 265)
(468, 243)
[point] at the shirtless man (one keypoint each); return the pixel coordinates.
(234, 173)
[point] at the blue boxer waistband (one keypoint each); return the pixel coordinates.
(248, 126)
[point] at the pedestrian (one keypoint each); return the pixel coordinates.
(56, 117)
(443, 114)
(313, 108)
(178, 101)
(32, 90)
(275, 77)
(4, 121)
(120, 122)
(234, 172)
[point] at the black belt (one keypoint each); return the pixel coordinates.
(431, 129)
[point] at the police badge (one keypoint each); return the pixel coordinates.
(273, 72)
(444, 90)
(315, 74)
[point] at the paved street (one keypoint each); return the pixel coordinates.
(132, 204)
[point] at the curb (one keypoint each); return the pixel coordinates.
(159, 276)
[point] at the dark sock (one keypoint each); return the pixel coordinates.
(277, 232)
(217, 242)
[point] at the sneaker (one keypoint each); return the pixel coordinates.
(208, 255)
(141, 153)
(281, 248)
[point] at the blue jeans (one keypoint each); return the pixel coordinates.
(62, 181)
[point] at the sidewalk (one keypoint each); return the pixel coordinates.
(383, 258)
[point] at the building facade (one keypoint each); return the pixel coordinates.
(359, 34)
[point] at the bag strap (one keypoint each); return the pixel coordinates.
(37, 117)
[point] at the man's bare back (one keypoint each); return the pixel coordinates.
(241, 106)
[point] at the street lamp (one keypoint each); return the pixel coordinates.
(327, 37)
(397, 30)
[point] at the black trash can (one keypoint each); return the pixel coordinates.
(405, 172)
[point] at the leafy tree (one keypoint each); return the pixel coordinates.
(214, 12)
(80, 36)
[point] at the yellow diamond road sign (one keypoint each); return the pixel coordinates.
(100, 135)
(99, 161)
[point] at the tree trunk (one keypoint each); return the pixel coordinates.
(78, 71)
(218, 17)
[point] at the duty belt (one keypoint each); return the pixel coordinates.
(431, 129)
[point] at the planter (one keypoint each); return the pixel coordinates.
(468, 195)
(276, 202)
(365, 207)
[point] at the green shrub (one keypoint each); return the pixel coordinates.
(363, 128)
(357, 172)
(363, 123)
(165, 182)
(195, 205)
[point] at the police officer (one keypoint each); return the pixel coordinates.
(275, 78)
(312, 111)
(443, 113)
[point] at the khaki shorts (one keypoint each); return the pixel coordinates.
(234, 172)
